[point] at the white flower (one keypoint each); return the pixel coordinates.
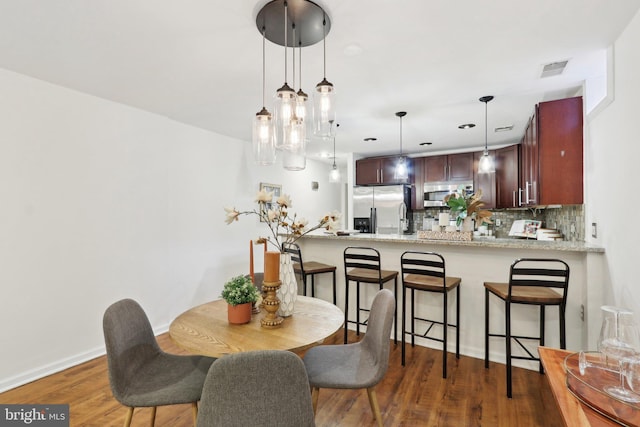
(284, 201)
(285, 228)
(264, 196)
(232, 215)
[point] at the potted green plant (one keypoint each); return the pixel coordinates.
(240, 294)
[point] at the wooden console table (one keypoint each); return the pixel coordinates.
(574, 412)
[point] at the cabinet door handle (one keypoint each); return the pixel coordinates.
(514, 199)
(519, 196)
(381, 176)
(378, 176)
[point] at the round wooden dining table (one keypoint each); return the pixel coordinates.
(205, 329)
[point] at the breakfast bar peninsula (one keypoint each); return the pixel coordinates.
(476, 262)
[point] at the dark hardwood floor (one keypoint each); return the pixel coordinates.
(414, 395)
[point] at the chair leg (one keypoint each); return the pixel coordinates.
(373, 401)
(315, 391)
(508, 345)
(346, 309)
(404, 320)
(486, 328)
(152, 422)
(563, 332)
(445, 327)
(129, 417)
(413, 317)
(542, 321)
(458, 322)
(358, 308)
(194, 411)
(304, 284)
(395, 323)
(334, 288)
(313, 285)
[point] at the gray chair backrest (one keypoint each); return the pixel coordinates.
(130, 343)
(376, 339)
(257, 388)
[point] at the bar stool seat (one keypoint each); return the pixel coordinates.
(532, 281)
(309, 268)
(425, 271)
(362, 265)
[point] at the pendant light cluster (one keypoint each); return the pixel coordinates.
(295, 24)
(486, 163)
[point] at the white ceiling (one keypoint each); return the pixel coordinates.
(199, 62)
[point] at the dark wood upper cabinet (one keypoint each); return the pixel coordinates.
(551, 165)
(560, 151)
(452, 167)
(380, 170)
(507, 188)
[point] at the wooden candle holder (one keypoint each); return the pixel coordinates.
(271, 305)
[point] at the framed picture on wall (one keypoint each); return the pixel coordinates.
(276, 189)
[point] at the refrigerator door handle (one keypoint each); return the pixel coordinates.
(373, 220)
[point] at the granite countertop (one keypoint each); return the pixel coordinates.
(516, 243)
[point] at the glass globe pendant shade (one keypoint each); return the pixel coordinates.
(324, 113)
(294, 158)
(284, 112)
(264, 150)
(401, 171)
(334, 174)
(486, 165)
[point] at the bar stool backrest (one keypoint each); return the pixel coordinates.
(423, 264)
(540, 272)
(361, 257)
(296, 254)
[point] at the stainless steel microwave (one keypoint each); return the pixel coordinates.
(435, 192)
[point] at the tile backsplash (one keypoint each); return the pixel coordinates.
(568, 220)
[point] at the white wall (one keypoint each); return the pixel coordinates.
(100, 201)
(612, 146)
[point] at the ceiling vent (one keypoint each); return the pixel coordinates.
(553, 69)
(503, 128)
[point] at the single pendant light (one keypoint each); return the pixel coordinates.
(285, 101)
(402, 171)
(294, 152)
(334, 175)
(324, 97)
(486, 163)
(302, 97)
(264, 150)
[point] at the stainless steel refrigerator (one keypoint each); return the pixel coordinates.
(382, 209)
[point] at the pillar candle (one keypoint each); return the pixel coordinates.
(251, 273)
(443, 219)
(271, 266)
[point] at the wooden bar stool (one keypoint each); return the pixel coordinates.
(425, 271)
(532, 281)
(309, 268)
(362, 265)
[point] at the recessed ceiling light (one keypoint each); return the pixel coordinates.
(426, 143)
(352, 50)
(467, 126)
(370, 139)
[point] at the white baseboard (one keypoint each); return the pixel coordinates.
(57, 366)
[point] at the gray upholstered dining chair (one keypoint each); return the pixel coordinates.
(140, 373)
(358, 365)
(263, 388)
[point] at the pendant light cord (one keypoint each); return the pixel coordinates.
(285, 40)
(486, 148)
(324, 48)
(400, 135)
(264, 85)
